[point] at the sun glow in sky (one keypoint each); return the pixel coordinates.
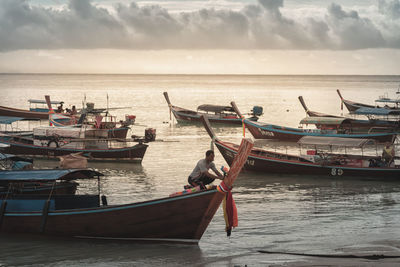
(200, 37)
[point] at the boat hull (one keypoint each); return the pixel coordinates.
(128, 154)
(63, 188)
(119, 133)
(21, 113)
(186, 115)
(268, 131)
(282, 163)
(179, 219)
(182, 116)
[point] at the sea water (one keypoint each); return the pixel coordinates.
(277, 212)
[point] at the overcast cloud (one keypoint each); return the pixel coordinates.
(84, 25)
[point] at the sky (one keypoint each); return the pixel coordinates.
(200, 37)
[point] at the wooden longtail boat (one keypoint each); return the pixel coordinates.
(52, 142)
(261, 130)
(364, 109)
(214, 113)
(34, 113)
(21, 113)
(314, 113)
(270, 131)
(326, 121)
(108, 129)
(93, 149)
(339, 165)
(42, 182)
(352, 106)
(180, 218)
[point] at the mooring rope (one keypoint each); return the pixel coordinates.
(344, 256)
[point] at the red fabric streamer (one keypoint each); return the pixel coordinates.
(230, 211)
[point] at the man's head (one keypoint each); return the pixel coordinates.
(210, 155)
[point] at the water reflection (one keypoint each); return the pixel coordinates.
(82, 252)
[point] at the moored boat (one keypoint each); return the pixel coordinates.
(261, 130)
(269, 131)
(364, 109)
(215, 113)
(314, 113)
(97, 121)
(42, 182)
(106, 150)
(34, 113)
(178, 218)
(322, 120)
(312, 163)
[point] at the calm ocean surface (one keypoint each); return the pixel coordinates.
(285, 213)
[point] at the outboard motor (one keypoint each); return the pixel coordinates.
(130, 119)
(256, 112)
(149, 134)
(89, 107)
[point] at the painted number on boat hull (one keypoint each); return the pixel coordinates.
(335, 171)
(266, 133)
(250, 162)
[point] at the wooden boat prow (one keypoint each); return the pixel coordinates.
(313, 113)
(352, 106)
(214, 113)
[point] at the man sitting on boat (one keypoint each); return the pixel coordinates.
(73, 111)
(388, 154)
(200, 174)
(60, 108)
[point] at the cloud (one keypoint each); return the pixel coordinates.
(265, 25)
(391, 9)
(351, 31)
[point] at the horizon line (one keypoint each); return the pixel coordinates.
(187, 74)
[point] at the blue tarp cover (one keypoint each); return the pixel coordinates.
(376, 111)
(48, 175)
(9, 120)
(6, 156)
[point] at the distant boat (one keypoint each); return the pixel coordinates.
(94, 149)
(34, 113)
(261, 130)
(322, 120)
(364, 109)
(181, 218)
(215, 113)
(51, 142)
(314, 162)
(109, 127)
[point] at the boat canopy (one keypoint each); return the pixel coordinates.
(334, 141)
(388, 100)
(323, 120)
(4, 156)
(215, 108)
(36, 101)
(3, 145)
(376, 111)
(9, 120)
(48, 175)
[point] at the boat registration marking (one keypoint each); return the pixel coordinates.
(266, 133)
(338, 172)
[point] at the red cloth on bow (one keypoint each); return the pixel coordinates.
(230, 210)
